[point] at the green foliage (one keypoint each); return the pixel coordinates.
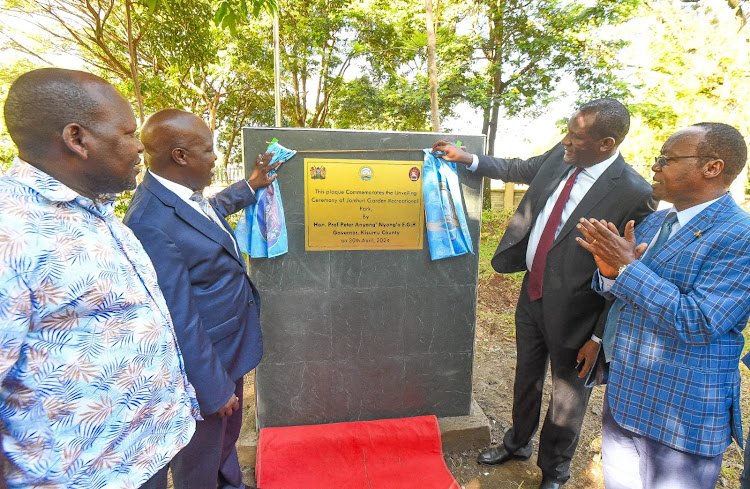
(228, 15)
(11, 70)
(121, 203)
(693, 64)
(395, 105)
(493, 227)
(531, 47)
(362, 63)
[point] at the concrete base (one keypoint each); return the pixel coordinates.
(463, 433)
(459, 434)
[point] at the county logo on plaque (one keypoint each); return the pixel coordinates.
(365, 173)
(414, 174)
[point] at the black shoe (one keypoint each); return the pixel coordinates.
(499, 454)
(550, 483)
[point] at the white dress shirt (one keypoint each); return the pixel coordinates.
(582, 185)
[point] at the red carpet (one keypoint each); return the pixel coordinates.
(387, 454)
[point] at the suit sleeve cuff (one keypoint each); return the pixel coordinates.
(474, 163)
(251, 188)
(605, 283)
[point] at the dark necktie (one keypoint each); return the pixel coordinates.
(610, 327)
(536, 275)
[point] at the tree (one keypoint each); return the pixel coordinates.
(316, 51)
(161, 55)
(12, 68)
(432, 64)
(393, 91)
(530, 45)
(697, 69)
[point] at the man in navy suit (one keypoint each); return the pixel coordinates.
(682, 282)
(214, 305)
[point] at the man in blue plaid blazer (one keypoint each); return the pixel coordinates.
(672, 401)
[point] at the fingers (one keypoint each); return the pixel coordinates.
(640, 250)
(586, 229)
(585, 370)
(587, 246)
(440, 145)
(232, 405)
(630, 231)
(275, 166)
(602, 228)
(587, 353)
(599, 230)
(264, 158)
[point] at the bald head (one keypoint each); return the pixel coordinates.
(166, 130)
(42, 102)
(75, 127)
(179, 147)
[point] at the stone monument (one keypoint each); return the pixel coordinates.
(358, 322)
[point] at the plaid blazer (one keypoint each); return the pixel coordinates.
(674, 375)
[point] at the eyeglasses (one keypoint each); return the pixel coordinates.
(661, 160)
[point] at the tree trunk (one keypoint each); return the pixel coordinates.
(134, 62)
(431, 48)
(486, 194)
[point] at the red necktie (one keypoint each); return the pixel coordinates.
(536, 275)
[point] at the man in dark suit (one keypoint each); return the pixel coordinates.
(214, 305)
(559, 319)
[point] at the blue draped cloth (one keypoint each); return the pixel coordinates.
(447, 232)
(261, 231)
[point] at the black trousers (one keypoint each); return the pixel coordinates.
(562, 423)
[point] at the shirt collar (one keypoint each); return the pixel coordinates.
(182, 192)
(54, 190)
(595, 171)
(684, 216)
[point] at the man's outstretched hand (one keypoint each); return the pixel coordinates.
(260, 178)
(452, 152)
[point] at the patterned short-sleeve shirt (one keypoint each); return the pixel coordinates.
(93, 391)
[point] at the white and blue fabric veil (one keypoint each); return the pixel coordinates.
(261, 231)
(447, 232)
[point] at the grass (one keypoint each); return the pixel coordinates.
(493, 227)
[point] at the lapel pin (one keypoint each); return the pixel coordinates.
(698, 234)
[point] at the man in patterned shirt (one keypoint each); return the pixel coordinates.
(93, 391)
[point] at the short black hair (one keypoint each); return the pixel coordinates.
(612, 118)
(726, 143)
(42, 102)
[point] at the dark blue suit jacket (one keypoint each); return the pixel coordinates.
(214, 305)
